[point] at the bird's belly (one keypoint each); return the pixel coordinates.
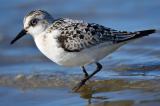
(72, 59)
(88, 55)
(84, 57)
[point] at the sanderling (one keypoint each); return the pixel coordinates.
(73, 43)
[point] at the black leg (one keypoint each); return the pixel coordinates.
(99, 67)
(85, 72)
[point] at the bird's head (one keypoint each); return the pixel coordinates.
(34, 23)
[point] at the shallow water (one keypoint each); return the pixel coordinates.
(130, 76)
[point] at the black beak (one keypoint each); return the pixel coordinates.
(21, 34)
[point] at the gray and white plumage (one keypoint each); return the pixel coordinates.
(73, 43)
(78, 35)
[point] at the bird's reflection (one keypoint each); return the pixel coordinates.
(93, 89)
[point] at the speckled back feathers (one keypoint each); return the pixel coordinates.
(78, 35)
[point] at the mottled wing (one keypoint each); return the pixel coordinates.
(77, 35)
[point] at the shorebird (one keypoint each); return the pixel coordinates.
(73, 43)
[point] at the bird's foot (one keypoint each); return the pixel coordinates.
(79, 85)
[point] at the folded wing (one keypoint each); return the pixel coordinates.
(77, 35)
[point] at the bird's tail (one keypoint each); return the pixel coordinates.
(138, 34)
(144, 33)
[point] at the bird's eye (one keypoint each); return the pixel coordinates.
(34, 22)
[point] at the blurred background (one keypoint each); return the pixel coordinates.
(135, 65)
